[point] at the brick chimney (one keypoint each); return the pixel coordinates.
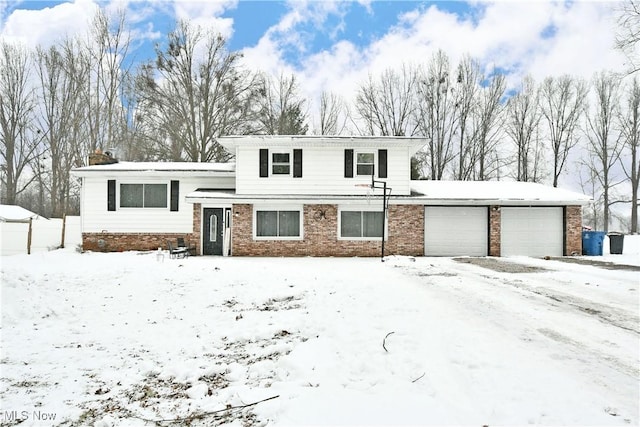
(100, 158)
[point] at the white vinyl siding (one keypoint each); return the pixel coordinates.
(96, 218)
(531, 231)
(456, 231)
(323, 173)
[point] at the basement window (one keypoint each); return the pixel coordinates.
(143, 195)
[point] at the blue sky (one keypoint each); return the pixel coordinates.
(335, 45)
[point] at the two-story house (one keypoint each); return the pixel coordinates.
(312, 196)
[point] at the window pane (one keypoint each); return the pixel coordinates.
(155, 195)
(372, 224)
(350, 224)
(281, 169)
(289, 223)
(365, 158)
(131, 195)
(267, 223)
(365, 169)
(280, 157)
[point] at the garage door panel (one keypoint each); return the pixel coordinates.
(456, 230)
(532, 231)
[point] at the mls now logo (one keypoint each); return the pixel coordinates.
(9, 416)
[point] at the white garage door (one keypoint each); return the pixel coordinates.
(531, 231)
(455, 230)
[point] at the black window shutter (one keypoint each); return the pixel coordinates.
(264, 163)
(382, 163)
(175, 195)
(348, 163)
(297, 163)
(111, 195)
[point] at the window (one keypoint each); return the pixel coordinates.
(280, 163)
(277, 223)
(361, 224)
(143, 195)
(365, 163)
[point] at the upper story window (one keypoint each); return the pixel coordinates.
(143, 195)
(365, 163)
(280, 163)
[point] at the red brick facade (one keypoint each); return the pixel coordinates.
(320, 235)
(573, 230)
(119, 242)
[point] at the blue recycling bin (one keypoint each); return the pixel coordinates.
(592, 242)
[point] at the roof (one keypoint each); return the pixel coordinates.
(453, 193)
(499, 192)
(194, 168)
(233, 141)
(13, 213)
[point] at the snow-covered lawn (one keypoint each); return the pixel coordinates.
(117, 339)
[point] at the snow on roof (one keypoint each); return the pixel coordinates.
(9, 213)
(157, 167)
(495, 190)
(233, 141)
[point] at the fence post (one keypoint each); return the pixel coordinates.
(64, 223)
(29, 236)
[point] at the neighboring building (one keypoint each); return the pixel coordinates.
(14, 213)
(309, 196)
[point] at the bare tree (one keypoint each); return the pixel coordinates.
(107, 49)
(629, 120)
(333, 112)
(201, 93)
(486, 129)
(435, 115)
(62, 118)
(18, 141)
(562, 102)
(605, 145)
(466, 90)
(281, 107)
(386, 105)
(628, 34)
(523, 118)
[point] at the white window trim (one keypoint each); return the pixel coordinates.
(257, 208)
(355, 162)
(277, 151)
(360, 208)
(118, 191)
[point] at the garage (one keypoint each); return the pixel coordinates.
(532, 231)
(456, 230)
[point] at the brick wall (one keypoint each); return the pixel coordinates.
(320, 234)
(118, 242)
(197, 227)
(494, 231)
(573, 231)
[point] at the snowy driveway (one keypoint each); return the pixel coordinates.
(117, 339)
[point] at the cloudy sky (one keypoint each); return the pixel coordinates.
(334, 45)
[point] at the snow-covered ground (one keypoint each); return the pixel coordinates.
(117, 339)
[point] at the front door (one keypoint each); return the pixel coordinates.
(212, 231)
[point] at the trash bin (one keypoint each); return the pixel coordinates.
(616, 242)
(592, 242)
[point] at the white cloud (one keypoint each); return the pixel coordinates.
(48, 25)
(206, 14)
